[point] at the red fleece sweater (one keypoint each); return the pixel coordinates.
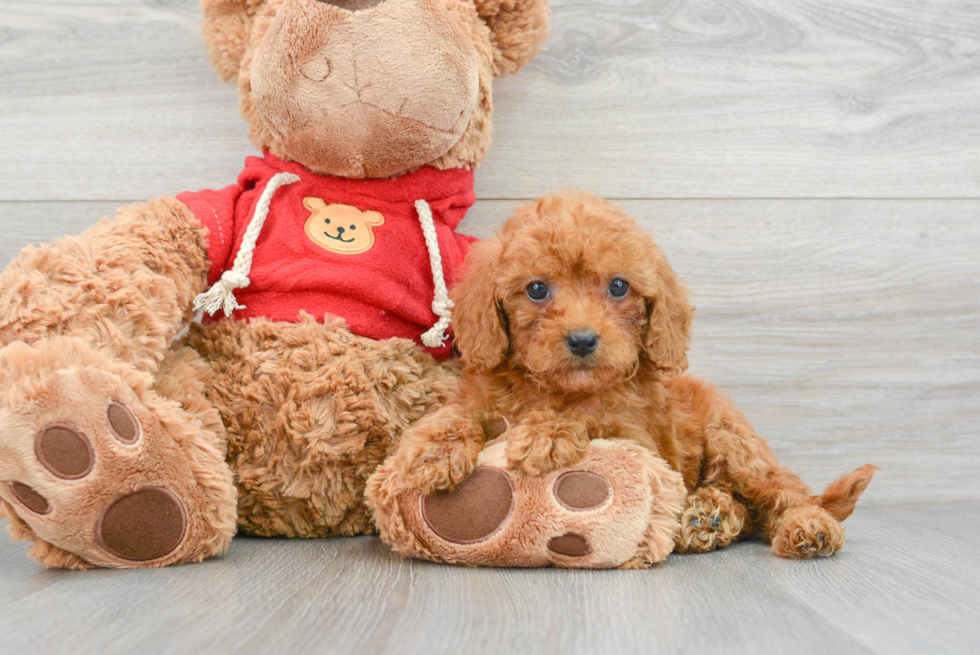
(349, 248)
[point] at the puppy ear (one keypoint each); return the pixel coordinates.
(517, 30)
(669, 329)
(478, 320)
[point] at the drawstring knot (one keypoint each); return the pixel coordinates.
(221, 295)
(441, 304)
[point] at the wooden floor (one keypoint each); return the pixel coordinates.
(812, 170)
(905, 583)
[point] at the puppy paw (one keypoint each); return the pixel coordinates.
(439, 465)
(804, 532)
(540, 448)
(712, 519)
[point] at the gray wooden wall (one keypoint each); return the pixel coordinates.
(811, 167)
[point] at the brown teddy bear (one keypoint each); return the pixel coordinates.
(322, 275)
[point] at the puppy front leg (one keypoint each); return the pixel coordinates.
(440, 450)
(543, 441)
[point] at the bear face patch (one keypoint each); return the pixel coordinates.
(340, 228)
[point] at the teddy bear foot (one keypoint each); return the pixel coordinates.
(618, 507)
(98, 470)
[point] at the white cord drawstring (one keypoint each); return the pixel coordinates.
(221, 295)
(441, 304)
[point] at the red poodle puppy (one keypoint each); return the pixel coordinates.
(572, 326)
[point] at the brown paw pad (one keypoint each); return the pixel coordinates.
(474, 511)
(122, 424)
(64, 451)
(581, 490)
(570, 545)
(31, 499)
(145, 525)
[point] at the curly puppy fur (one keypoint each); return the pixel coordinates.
(518, 366)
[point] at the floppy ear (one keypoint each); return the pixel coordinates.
(517, 30)
(478, 321)
(669, 330)
(225, 29)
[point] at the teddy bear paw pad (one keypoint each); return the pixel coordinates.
(145, 525)
(582, 490)
(474, 511)
(569, 545)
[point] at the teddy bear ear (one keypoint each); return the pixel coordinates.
(517, 30)
(226, 27)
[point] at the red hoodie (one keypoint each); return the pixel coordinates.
(329, 245)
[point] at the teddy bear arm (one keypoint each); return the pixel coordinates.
(126, 285)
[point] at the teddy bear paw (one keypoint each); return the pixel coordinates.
(603, 512)
(89, 468)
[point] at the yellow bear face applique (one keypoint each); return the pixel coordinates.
(341, 228)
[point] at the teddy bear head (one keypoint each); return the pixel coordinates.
(371, 88)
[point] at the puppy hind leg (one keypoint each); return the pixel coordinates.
(792, 519)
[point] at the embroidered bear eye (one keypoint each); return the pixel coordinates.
(618, 288)
(328, 221)
(537, 291)
(353, 227)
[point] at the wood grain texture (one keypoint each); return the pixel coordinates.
(905, 583)
(115, 99)
(848, 331)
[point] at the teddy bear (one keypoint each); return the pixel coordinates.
(132, 435)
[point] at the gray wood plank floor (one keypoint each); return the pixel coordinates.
(811, 168)
(905, 583)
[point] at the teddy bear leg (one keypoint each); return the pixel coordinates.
(616, 507)
(712, 519)
(100, 467)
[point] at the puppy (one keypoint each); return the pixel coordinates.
(572, 326)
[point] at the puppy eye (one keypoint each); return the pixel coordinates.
(537, 291)
(618, 288)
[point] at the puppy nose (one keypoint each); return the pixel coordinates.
(582, 343)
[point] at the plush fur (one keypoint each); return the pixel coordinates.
(270, 427)
(518, 368)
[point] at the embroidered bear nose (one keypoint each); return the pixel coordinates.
(352, 5)
(340, 231)
(582, 342)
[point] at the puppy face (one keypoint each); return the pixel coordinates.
(573, 294)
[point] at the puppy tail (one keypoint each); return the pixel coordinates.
(840, 497)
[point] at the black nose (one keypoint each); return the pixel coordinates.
(582, 343)
(340, 231)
